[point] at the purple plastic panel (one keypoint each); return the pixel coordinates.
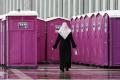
(81, 34)
(86, 40)
(52, 28)
(110, 41)
(92, 39)
(104, 40)
(21, 38)
(41, 40)
(76, 26)
(114, 41)
(73, 27)
(98, 38)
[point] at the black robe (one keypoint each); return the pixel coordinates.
(65, 50)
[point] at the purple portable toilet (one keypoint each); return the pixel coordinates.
(76, 53)
(92, 39)
(111, 40)
(81, 36)
(99, 38)
(89, 38)
(53, 25)
(21, 39)
(95, 38)
(86, 40)
(41, 40)
(104, 39)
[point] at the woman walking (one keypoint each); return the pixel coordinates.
(65, 41)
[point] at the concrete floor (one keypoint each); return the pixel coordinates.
(50, 71)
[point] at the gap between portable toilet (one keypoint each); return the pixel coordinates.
(3, 26)
(41, 41)
(1, 40)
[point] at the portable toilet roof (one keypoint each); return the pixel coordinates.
(52, 18)
(22, 13)
(113, 13)
(83, 15)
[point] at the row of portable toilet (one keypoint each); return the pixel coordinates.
(26, 40)
(97, 38)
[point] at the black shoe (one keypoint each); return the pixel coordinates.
(67, 69)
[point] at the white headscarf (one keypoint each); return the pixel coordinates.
(64, 30)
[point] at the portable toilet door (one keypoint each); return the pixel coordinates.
(99, 24)
(86, 40)
(21, 39)
(41, 41)
(53, 25)
(89, 38)
(81, 34)
(92, 48)
(77, 41)
(73, 27)
(94, 39)
(104, 40)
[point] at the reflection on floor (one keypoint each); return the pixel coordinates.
(50, 71)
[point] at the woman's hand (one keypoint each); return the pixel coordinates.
(52, 49)
(75, 52)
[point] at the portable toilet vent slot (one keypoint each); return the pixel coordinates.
(87, 24)
(72, 28)
(105, 26)
(23, 24)
(99, 23)
(77, 27)
(93, 26)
